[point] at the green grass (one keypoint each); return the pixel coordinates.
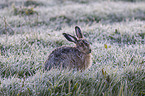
(31, 29)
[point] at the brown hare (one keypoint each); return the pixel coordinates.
(78, 57)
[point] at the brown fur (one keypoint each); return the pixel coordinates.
(68, 57)
(78, 57)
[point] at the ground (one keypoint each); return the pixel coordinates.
(31, 29)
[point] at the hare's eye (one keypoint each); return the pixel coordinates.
(81, 44)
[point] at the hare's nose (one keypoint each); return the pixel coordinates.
(90, 51)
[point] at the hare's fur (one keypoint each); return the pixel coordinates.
(70, 57)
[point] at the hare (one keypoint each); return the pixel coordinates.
(78, 57)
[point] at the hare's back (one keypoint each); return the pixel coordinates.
(63, 57)
(65, 51)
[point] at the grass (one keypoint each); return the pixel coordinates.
(30, 30)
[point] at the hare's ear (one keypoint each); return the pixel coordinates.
(70, 38)
(78, 32)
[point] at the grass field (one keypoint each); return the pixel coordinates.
(31, 29)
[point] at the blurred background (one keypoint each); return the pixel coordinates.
(31, 29)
